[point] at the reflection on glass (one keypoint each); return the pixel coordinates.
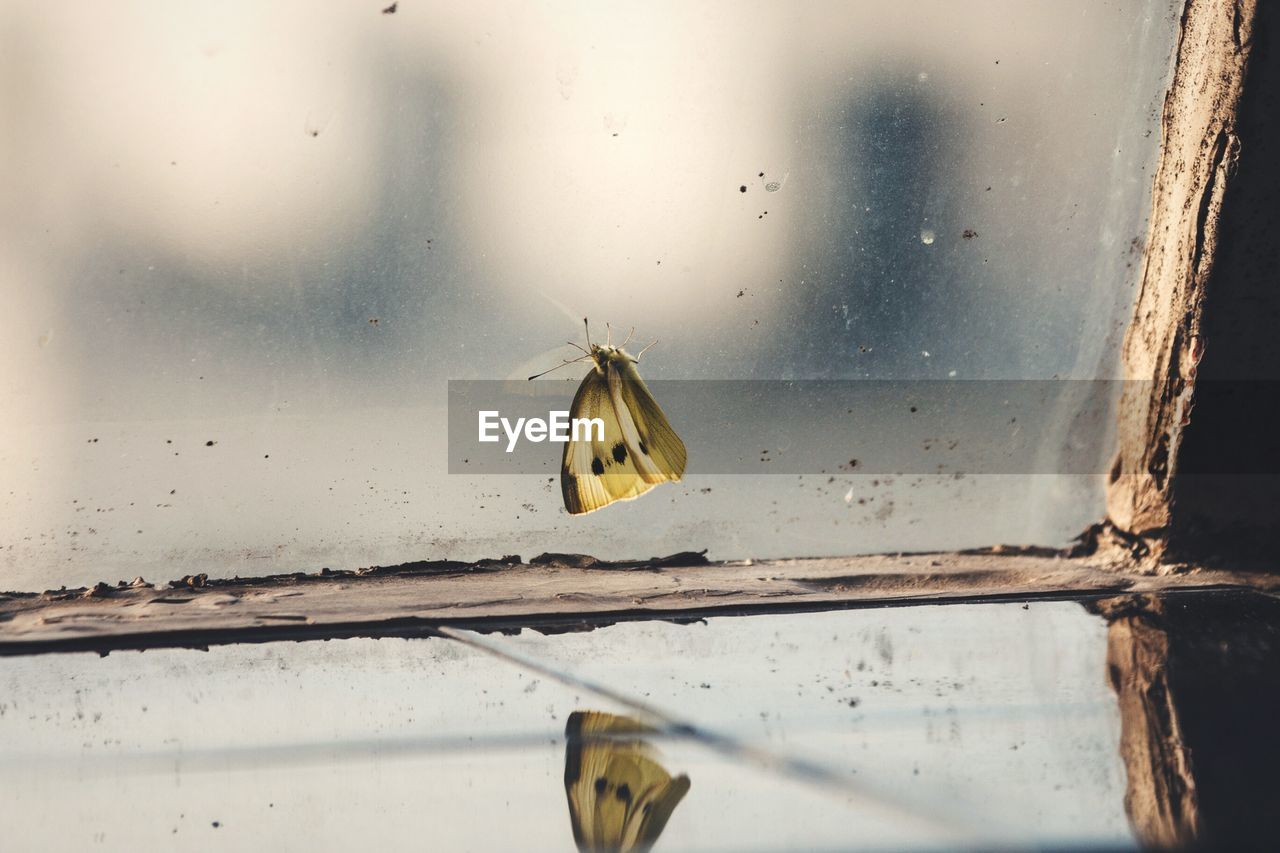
(620, 797)
(1195, 679)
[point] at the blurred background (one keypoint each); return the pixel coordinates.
(243, 247)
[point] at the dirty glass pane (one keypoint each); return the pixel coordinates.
(1044, 724)
(913, 726)
(247, 244)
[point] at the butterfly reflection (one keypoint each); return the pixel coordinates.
(620, 797)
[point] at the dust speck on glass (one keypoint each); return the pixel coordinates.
(246, 246)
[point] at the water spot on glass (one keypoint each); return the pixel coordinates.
(615, 124)
(45, 338)
(923, 76)
(317, 121)
(776, 184)
(927, 236)
(566, 76)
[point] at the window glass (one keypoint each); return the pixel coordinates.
(915, 727)
(246, 246)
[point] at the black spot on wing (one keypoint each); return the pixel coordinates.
(623, 793)
(601, 784)
(619, 453)
(597, 467)
(643, 448)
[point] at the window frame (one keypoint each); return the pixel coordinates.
(1206, 140)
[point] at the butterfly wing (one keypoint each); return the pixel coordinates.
(595, 473)
(661, 455)
(620, 797)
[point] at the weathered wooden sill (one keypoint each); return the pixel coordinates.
(548, 593)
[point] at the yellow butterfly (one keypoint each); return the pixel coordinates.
(638, 448)
(620, 797)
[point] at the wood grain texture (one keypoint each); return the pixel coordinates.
(1163, 345)
(553, 592)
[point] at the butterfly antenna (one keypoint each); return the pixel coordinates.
(643, 351)
(630, 335)
(558, 366)
(587, 326)
(608, 341)
(578, 347)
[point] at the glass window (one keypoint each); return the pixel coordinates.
(247, 245)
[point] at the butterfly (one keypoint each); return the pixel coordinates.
(638, 448)
(620, 797)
